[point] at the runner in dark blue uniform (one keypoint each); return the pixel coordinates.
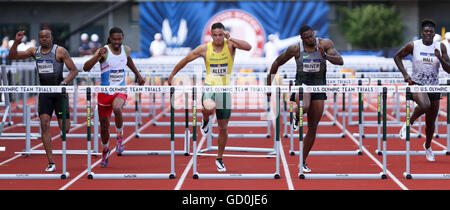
(50, 60)
(310, 54)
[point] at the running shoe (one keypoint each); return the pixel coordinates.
(119, 146)
(51, 167)
(305, 168)
(429, 153)
(296, 123)
(220, 165)
(105, 157)
(205, 127)
(403, 132)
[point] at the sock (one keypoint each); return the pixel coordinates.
(105, 146)
(119, 131)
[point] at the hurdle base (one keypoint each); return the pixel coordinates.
(92, 175)
(244, 136)
(391, 135)
(342, 176)
(160, 136)
(329, 153)
(236, 176)
(240, 149)
(57, 152)
(401, 152)
(426, 176)
(152, 152)
(35, 176)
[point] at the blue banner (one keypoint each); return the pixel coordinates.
(185, 25)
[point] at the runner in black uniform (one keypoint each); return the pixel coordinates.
(50, 60)
(310, 55)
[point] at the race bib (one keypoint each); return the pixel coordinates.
(45, 66)
(427, 58)
(116, 76)
(219, 70)
(311, 65)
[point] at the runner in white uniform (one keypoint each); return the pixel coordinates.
(114, 58)
(427, 56)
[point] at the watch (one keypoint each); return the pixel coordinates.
(63, 83)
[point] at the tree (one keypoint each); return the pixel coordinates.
(372, 26)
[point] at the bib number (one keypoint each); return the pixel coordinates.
(219, 70)
(311, 65)
(116, 76)
(45, 66)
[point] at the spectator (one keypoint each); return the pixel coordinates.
(32, 43)
(446, 41)
(4, 50)
(437, 38)
(94, 44)
(158, 46)
(84, 46)
(23, 44)
(271, 50)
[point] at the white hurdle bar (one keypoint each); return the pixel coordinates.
(43, 89)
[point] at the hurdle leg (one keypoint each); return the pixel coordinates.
(407, 172)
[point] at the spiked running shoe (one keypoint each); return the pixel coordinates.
(205, 127)
(119, 146)
(220, 165)
(105, 157)
(51, 167)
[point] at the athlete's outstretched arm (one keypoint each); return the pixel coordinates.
(98, 56)
(194, 54)
(399, 55)
(332, 54)
(443, 59)
(133, 68)
(290, 52)
(240, 44)
(64, 56)
(17, 55)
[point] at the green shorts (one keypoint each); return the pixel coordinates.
(223, 104)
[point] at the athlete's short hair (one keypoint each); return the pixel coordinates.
(115, 30)
(217, 25)
(305, 28)
(428, 22)
(47, 29)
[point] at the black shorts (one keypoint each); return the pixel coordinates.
(49, 102)
(314, 96)
(432, 96)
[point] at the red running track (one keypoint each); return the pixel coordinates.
(368, 162)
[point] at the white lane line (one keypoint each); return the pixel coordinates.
(397, 181)
(39, 145)
(112, 151)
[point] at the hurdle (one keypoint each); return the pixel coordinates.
(327, 123)
(407, 174)
(275, 175)
(301, 174)
(340, 135)
(44, 89)
(136, 89)
(211, 135)
(186, 136)
(408, 107)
